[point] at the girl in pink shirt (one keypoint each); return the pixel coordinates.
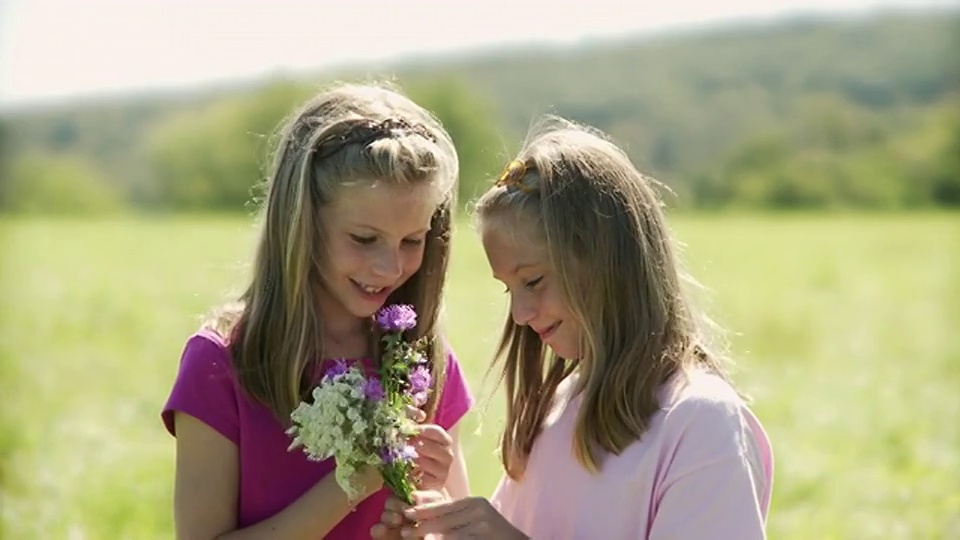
(357, 214)
(621, 421)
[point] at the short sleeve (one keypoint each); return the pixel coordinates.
(717, 484)
(205, 388)
(455, 398)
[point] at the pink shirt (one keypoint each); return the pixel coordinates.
(271, 477)
(703, 470)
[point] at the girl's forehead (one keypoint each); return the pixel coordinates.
(509, 249)
(514, 228)
(386, 203)
(357, 196)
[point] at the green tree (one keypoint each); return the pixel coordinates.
(213, 160)
(57, 184)
(472, 125)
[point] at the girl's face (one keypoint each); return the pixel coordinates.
(375, 240)
(536, 299)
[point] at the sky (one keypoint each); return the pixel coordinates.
(54, 50)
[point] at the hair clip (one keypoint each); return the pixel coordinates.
(513, 176)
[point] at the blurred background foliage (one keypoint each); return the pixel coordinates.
(805, 114)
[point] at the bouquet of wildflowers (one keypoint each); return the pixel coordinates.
(363, 421)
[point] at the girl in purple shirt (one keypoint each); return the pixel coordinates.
(357, 214)
(621, 421)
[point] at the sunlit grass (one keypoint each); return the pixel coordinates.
(844, 329)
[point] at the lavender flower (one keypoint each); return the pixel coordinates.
(393, 455)
(397, 317)
(420, 398)
(420, 379)
(373, 390)
(339, 367)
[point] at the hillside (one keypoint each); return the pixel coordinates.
(700, 110)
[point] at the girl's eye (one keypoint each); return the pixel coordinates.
(533, 282)
(363, 240)
(413, 241)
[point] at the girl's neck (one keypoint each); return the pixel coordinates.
(343, 341)
(344, 334)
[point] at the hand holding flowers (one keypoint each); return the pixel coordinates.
(365, 421)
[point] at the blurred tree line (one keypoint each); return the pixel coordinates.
(860, 113)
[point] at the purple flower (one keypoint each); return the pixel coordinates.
(373, 390)
(420, 398)
(338, 367)
(391, 455)
(420, 379)
(397, 317)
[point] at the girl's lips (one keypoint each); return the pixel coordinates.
(547, 332)
(372, 297)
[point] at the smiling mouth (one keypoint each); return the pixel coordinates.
(547, 332)
(368, 289)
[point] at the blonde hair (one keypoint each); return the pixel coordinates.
(607, 240)
(344, 135)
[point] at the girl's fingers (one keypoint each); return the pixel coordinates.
(416, 414)
(435, 443)
(379, 531)
(436, 455)
(434, 433)
(429, 467)
(426, 497)
(395, 505)
(391, 518)
(435, 508)
(442, 524)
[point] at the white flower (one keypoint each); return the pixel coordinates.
(342, 423)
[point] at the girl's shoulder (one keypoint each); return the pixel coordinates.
(209, 340)
(209, 334)
(701, 409)
(205, 385)
(688, 391)
(206, 356)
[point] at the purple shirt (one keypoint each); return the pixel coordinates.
(271, 477)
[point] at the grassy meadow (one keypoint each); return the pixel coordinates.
(846, 330)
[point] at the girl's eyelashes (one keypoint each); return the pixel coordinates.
(530, 284)
(367, 240)
(363, 240)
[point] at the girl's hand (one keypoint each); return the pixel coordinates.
(472, 517)
(392, 518)
(416, 414)
(435, 453)
(435, 456)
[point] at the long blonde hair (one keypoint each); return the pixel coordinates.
(344, 134)
(607, 240)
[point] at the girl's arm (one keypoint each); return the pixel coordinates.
(207, 489)
(717, 501)
(718, 484)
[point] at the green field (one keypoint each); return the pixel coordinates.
(846, 330)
